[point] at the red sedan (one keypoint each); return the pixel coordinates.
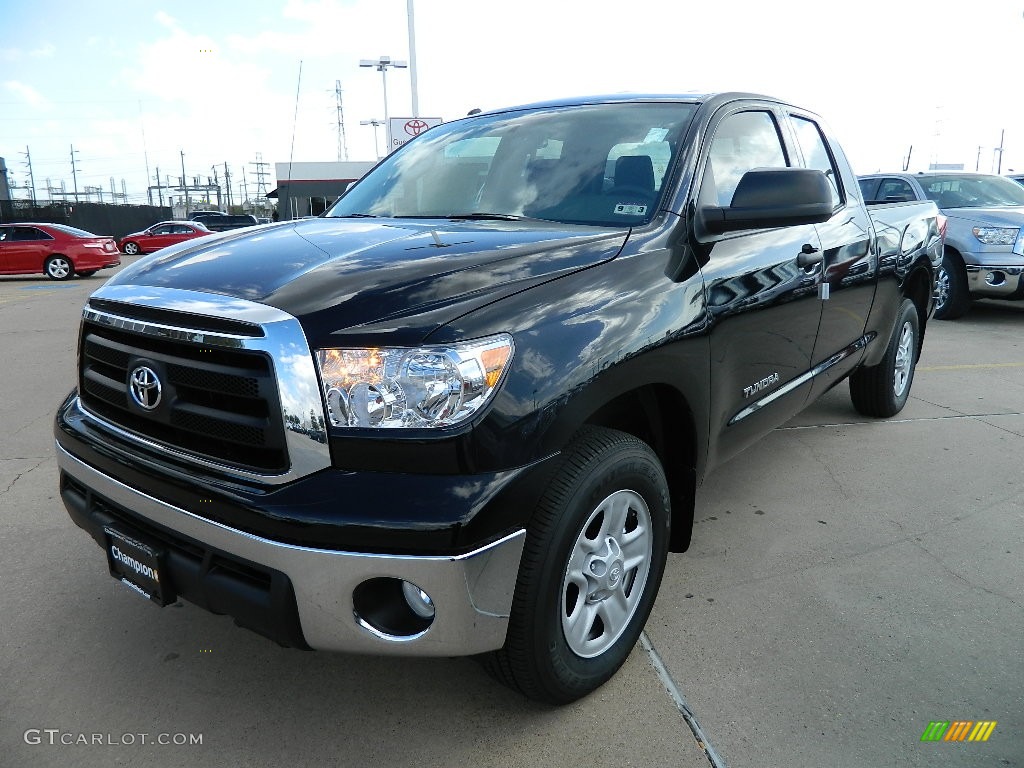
(56, 250)
(161, 235)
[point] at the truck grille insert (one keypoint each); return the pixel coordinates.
(215, 403)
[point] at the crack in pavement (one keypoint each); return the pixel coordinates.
(680, 701)
(978, 416)
(942, 564)
(20, 475)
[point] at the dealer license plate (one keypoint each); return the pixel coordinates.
(138, 565)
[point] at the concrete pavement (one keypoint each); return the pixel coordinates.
(850, 581)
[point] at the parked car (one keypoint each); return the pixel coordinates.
(472, 420)
(229, 221)
(984, 251)
(55, 250)
(1018, 177)
(205, 215)
(162, 235)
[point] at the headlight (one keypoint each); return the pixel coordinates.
(432, 386)
(996, 235)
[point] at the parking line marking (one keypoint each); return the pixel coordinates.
(680, 702)
(968, 366)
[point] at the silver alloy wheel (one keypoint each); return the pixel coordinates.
(131, 248)
(606, 574)
(941, 288)
(904, 359)
(58, 267)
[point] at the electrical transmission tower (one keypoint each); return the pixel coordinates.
(31, 177)
(261, 181)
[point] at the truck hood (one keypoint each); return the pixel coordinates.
(989, 217)
(400, 277)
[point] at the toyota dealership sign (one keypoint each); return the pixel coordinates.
(401, 129)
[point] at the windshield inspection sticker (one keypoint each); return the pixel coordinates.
(630, 210)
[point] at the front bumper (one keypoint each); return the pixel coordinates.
(471, 592)
(995, 282)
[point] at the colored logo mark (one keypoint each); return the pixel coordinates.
(958, 730)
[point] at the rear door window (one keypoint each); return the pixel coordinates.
(816, 154)
(895, 191)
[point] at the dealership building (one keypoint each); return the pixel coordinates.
(307, 189)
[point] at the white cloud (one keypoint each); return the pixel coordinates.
(26, 92)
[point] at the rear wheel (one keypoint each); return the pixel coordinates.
(882, 390)
(952, 299)
(131, 248)
(58, 268)
(594, 557)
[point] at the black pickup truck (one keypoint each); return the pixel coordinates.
(466, 411)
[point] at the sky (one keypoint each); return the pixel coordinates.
(133, 84)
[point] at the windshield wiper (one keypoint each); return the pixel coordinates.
(485, 216)
(356, 216)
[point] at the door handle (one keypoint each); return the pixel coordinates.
(809, 256)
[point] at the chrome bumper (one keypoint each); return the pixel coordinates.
(471, 593)
(994, 282)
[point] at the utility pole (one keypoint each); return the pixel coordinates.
(184, 181)
(342, 144)
(245, 189)
(227, 184)
(31, 178)
(412, 60)
(1002, 135)
(74, 172)
(977, 160)
(159, 189)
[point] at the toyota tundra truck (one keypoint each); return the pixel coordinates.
(465, 412)
(984, 243)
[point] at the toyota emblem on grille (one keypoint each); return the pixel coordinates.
(145, 387)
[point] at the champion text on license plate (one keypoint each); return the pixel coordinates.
(137, 565)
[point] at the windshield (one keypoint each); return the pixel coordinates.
(972, 191)
(599, 164)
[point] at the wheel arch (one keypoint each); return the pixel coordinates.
(918, 287)
(659, 415)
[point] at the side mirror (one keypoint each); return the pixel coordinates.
(772, 197)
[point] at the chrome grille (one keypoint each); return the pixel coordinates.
(219, 404)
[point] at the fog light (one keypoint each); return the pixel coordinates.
(418, 600)
(995, 279)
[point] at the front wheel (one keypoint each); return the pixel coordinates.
(594, 557)
(58, 268)
(131, 248)
(882, 390)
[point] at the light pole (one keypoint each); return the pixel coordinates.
(381, 65)
(374, 122)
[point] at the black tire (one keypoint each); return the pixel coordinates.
(882, 390)
(604, 478)
(132, 248)
(58, 268)
(87, 273)
(952, 299)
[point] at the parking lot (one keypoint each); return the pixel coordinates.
(849, 582)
